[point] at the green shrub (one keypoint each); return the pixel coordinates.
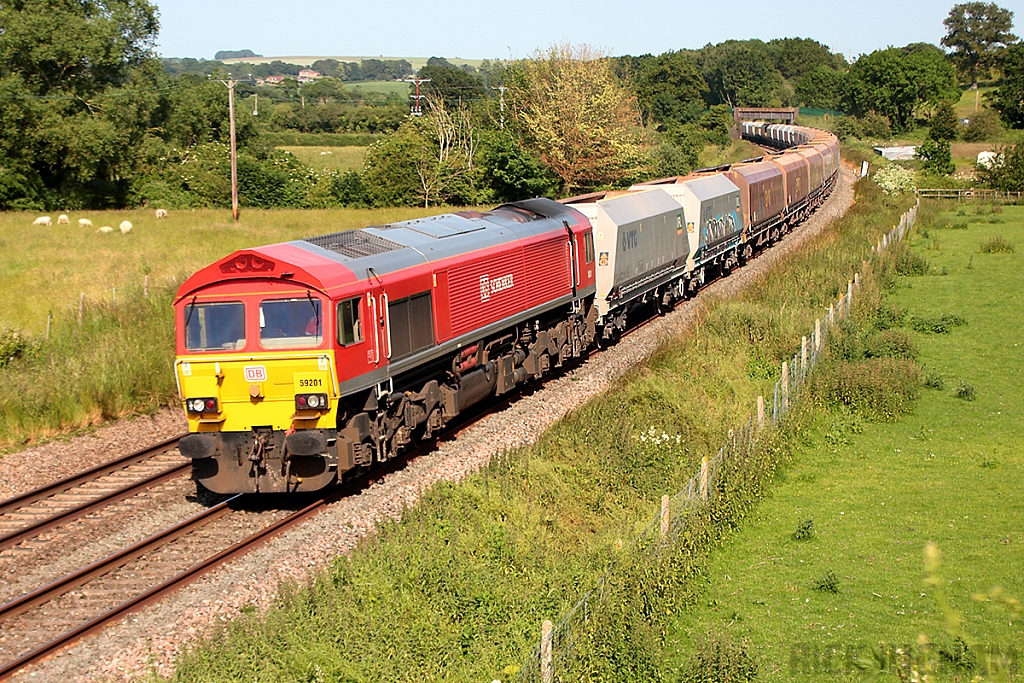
(996, 245)
(827, 583)
(804, 530)
(909, 263)
(941, 324)
(877, 388)
(934, 380)
(14, 346)
(888, 316)
(890, 344)
(719, 659)
(983, 127)
(966, 391)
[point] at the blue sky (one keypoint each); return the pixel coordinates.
(456, 28)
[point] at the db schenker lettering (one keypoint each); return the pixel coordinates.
(490, 286)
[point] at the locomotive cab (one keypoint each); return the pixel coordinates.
(256, 374)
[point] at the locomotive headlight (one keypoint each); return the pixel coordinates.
(311, 402)
(201, 405)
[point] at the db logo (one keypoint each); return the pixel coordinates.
(255, 373)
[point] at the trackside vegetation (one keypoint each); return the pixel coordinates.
(911, 560)
(458, 588)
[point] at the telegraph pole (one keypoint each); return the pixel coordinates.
(416, 109)
(501, 98)
(230, 84)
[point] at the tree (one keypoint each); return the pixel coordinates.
(670, 87)
(899, 82)
(824, 87)
(976, 32)
(943, 125)
(577, 116)
(1010, 96)
(451, 84)
(77, 80)
(1007, 171)
(742, 74)
(797, 57)
(935, 157)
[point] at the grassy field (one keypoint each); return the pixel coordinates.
(456, 590)
(878, 493)
(330, 158)
(736, 151)
(965, 107)
(386, 87)
(44, 269)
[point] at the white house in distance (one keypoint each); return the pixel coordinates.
(308, 76)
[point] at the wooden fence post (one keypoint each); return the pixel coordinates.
(81, 307)
(760, 412)
(703, 489)
(665, 515)
(785, 386)
(546, 672)
(803, 356)
(817, 334)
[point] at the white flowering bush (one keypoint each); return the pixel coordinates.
(654, 438)
(894, 179)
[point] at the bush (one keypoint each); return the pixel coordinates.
(877, 388)
(719, 659)
(894, 179)
(888, 317)
(890, 344)
(909, 263)
(828, 583)
(875, 125)
(14, 346)
(966, 391)
(983, 126)
(934, 380)
(804, 530)
(996, 245)
(941, 324)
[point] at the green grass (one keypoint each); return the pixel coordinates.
(737, 150)
(387, 87)
(965, 107)
(878, 493)
(330, 158)
(457, 589)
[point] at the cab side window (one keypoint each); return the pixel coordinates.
(588, 246)
(350, 330)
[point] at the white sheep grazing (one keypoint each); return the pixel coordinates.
(161, 213)
(63, 219)
(126, 227)
(84, 223)
(105, 229)
(42, 220)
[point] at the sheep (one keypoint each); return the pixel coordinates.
(161, 213)
(63, 219)
(42, 220)
(105, 229)
(126, 227)
(84, 223)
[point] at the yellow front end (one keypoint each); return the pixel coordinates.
(260, 422)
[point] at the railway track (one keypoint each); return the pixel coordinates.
(30, 514)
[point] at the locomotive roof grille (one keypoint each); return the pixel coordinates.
(354, 243)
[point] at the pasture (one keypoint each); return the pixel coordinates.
(878, 493)
(329, 158)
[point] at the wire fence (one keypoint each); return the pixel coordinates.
(558, 646)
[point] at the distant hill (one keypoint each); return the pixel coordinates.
(235, 54)
(417, 62)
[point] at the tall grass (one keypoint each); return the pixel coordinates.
(457, 589)
(117, 363)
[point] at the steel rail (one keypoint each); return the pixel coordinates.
(74, 480)
(16, 537)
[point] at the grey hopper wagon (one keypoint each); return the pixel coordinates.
(640, 239)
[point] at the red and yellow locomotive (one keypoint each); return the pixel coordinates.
(298, 362)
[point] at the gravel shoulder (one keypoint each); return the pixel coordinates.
(151, 640)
